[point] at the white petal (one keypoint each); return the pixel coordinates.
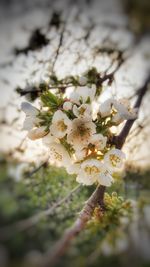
(59, 155)
(37, 133)
(105, 179)
(75, 97)
(58, 115)
(48, 139)
(85, 179)
(80, 154)
(67, 105)
(55, 131)
(28, 123)
(86, 92)
(82, 111)
(125, 111)
(73, 168)
(105, 108)
(99, 141)
(29, 109)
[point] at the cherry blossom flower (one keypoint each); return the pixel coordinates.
(120, 110)
(58, 155)
(83, 94)
(60, 124)
(82, 111)
(93, 170)
(80, 133)
(99, 141)
(32, 121)
(88, 172)
(114, 159)
(124, 111)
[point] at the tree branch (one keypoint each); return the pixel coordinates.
(62, 245)
(97, 197)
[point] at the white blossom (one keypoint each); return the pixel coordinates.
(120, 110)
(88, 172)
(58, 155)
(60, 124)
(124, 110)
(67, 105)
(83, 94)
(114, 159)
(82, 111)
(99, 141)
(80, 133)
(93, 170)
(32, 121)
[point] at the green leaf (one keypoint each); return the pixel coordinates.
(52, 101)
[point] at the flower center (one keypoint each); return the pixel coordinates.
(114, 160)
(82, 110)
(91, 170)
(56, 155)
(61, 126)
(82, 130)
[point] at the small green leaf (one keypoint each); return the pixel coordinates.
(52, 101)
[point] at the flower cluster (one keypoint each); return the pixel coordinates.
(76, 138)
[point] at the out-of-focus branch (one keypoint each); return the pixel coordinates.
(62, 245)
(25, 224)
(62, 87)
(96, 198)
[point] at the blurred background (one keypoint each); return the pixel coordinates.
(68, 38)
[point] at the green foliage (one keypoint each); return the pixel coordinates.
(45, 119)
(52, 101)
(116, 207)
